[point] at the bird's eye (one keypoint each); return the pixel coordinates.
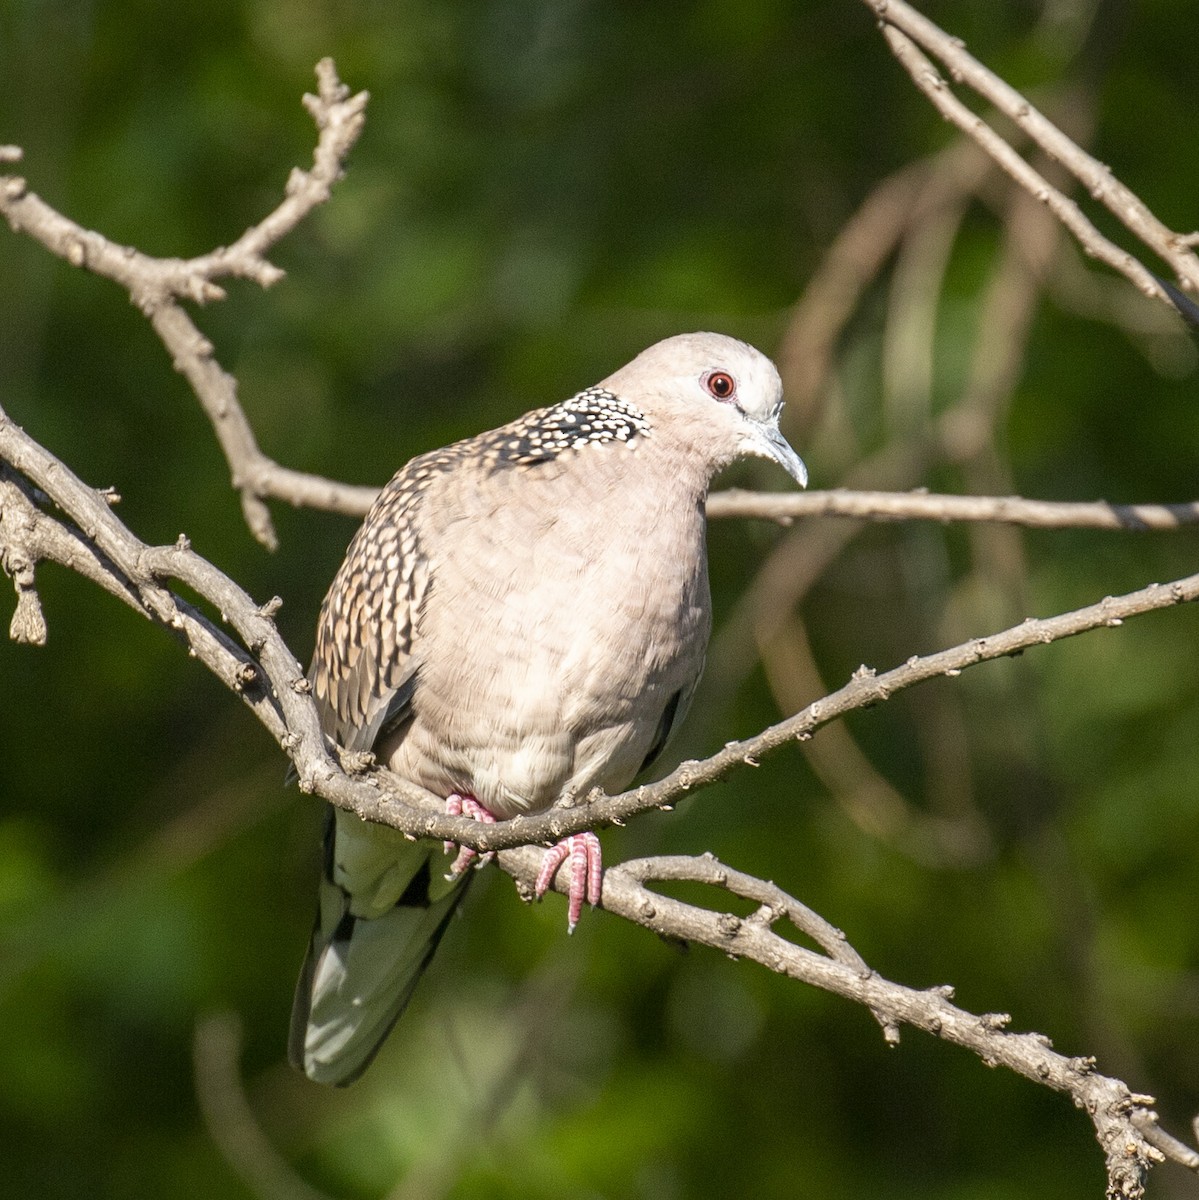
(720, 384)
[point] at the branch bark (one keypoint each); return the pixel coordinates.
(1125, 1123)
(786, 507)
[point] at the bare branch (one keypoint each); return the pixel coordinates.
(151, 281)
(101, 548)
(1170, 1146)
(959, 838)
(339, 118)
(785, 507)
(157, 285)
(930, 82)
(903, 26)
(1125, 1123)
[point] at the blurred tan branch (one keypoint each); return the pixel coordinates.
(216, 1054)
(899, 203)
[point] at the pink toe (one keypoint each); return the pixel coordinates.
(465, 855)
(458, 805)
(586, 873)
(595, 870)
(553, 859)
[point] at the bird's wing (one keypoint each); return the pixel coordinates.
(366, 658)
(367, 653)
(672, 717)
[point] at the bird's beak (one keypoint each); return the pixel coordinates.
(770, 443)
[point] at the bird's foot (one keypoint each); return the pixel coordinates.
(467, 806)
(586, 873)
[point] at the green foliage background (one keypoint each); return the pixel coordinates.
(544, 187)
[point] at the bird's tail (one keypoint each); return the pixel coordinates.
(383, 908)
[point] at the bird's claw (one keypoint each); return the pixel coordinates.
(467, 806)
(586, 873)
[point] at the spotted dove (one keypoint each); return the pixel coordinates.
(521, 618)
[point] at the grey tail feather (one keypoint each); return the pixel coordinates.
(359, 975)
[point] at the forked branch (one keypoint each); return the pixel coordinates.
(159, 286)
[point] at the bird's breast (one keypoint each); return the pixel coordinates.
(551, 646)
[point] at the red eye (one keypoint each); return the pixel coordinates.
(720, 384)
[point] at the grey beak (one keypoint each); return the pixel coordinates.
(775, 446)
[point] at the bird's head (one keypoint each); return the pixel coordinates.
(723, 396)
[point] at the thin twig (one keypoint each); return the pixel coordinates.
(1169, 1145)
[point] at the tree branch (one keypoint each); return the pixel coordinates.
(1125, 1122)
(930, 82)
(157, 285)
(785, 507)
(905, 28)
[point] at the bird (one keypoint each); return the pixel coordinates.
(522, 617)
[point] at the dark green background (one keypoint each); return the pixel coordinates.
(544, 187)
